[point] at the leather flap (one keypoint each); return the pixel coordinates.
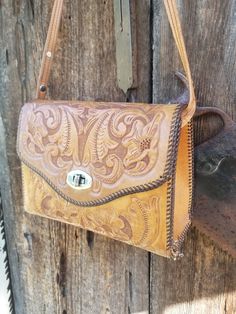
(124, 148)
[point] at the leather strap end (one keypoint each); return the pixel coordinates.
(174, 20)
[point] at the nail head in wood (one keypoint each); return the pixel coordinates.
(43, 88)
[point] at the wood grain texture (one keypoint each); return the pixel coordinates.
(204, 281)
(57, 268)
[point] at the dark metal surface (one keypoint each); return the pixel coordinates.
(215, 184)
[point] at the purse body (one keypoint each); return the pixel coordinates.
(139, 159)
(123, 170)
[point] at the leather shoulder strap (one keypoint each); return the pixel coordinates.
(174, 21)
(49, 49)
(50, 45)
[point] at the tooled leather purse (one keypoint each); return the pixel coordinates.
(123, 170)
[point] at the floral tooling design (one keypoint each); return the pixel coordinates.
(136, 222)
(107, 143)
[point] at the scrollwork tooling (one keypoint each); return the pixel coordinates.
(109, 144)
(137, 221)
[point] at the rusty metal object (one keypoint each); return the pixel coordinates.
(215, 184)
(215, 180)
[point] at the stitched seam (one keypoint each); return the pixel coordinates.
(191, 167)
(171, 193)
(169, 216)
(177, 245)
(168, 171)
(106, 199)
(191, 181)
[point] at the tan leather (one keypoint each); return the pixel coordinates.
(52, 35)
(49, 48)
(129, 150)
(174, 21)
(183, 184)
(121, 146)
(143, 219)
(137, 219)
(138, 156)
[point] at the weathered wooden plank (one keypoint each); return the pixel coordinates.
(57, 268)
(204, 280)
(62, 269)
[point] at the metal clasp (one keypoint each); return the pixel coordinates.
(78, 179)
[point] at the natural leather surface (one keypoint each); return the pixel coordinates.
(155, 219)
(138, 219)
(141, 219)
(183, 183)
(121, 146)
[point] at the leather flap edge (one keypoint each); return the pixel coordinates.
(124, 148)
